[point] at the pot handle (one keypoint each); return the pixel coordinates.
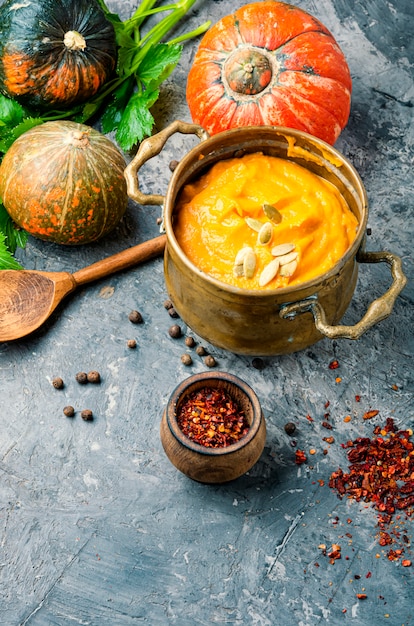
(377, 311)
(151, 146)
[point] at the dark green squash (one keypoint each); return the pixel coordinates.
(64, 182)
(54, 53)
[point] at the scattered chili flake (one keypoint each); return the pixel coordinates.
(338, 379)
(334, 364)
(300, 457)
(381, 472)
(309, 418)
(212, 418)
(406, 563)
(329, 439)
(370, 414)
(361, 596)
(347, 418)
(357, 398)
(335, 553)
(327, 425)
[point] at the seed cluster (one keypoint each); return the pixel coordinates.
(286, 258)
(82, 378)
(175, 332)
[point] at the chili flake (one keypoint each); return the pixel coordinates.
(212, 418)
(300, 457)
(381, 472)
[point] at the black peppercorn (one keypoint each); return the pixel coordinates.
(167, 304)
(258, 363)
(135, 317)
(190, 342)
(94, 377)
(173, 164)
(201, 351)
(87, 415)
(58, 383)
(82, 378)
(172, 312)
(210, 361)
(186, 359)
(131, 343)
(69, 411)
(290, 428)
(175, 331)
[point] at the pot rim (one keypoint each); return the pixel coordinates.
(314, 283)
(203, 378)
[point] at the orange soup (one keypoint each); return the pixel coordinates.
(263, 222)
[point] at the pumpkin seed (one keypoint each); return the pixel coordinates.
(272, 213)
(249, 264)
(241, 254)
(289, 269)
(288, 258)
(253, 223)
(265, 234)
(238, 270)
(282, 249)
(269, 272)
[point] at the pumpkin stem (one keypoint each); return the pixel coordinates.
(74, 40)
(79, 138)
(248, 71)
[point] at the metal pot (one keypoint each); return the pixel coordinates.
(276, 321)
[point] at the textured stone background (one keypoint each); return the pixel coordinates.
(96, 526)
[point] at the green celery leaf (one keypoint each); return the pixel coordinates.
(126, 59)
(111, 17)
(9, 134)
(7, 261)
(137, 121)
(14, 237)
(158, 63)
(11, 113)
(115, 109)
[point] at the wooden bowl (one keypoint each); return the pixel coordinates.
(213, 465)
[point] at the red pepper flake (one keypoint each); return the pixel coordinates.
(334, 364)
(357, 398)
(361, 596)
(211, 418)
(368, 575)
(309, 418)
(327, 425)
(369, 415)
(406, 563)
(300, 457)
(335, 553)
(381, 472)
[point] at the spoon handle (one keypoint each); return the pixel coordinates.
(121, 261)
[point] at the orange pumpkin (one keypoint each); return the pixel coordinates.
(270, 63)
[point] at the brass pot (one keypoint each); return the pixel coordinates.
(276, 321)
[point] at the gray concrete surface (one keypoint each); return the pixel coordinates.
(97, 527)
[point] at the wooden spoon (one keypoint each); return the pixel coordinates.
(28, 297)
